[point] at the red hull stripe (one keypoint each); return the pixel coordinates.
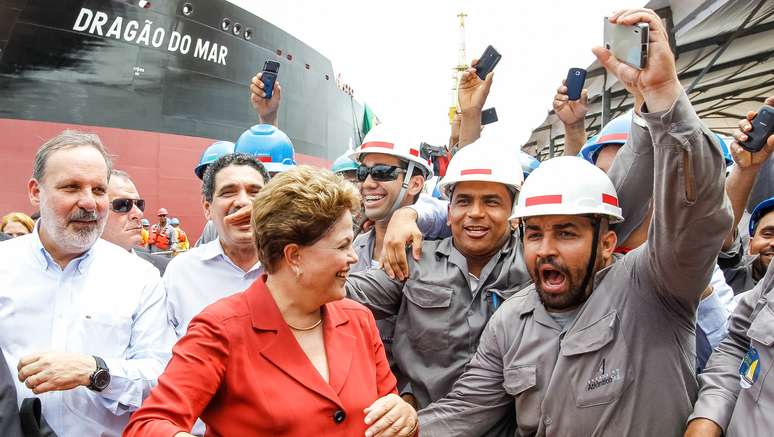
(544, 200)
(613, 137)
(610, 200)
(476, 171)
(380, 144)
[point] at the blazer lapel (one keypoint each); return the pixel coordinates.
(283, 350)
(339, 346)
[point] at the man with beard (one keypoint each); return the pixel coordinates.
(82, 320)
(598, 346)
(124, 226)
(229, 264)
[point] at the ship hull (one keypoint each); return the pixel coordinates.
(158, 86)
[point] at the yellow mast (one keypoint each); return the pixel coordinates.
(461, 66)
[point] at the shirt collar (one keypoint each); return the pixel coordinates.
(45, 259)
(212, 250)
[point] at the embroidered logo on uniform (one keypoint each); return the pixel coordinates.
(603, 377)
(750, 368)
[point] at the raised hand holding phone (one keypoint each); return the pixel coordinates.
(658, 81)
(266, 107)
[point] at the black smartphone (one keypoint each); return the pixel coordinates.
(629, 44)
(269, 76)
(576, 77)
(487, 62)
(762, 128)
(488, 116)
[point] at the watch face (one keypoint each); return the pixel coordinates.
(101, 379)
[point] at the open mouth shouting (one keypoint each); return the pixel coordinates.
(552, 279)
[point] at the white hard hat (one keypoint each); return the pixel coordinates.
(483, 161)
(568, 185)
(383, 139)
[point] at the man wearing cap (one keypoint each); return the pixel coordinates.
(145, 232)
(123, 226)
(162, 235)
(599, 346)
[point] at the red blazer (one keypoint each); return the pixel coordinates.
(241, 370)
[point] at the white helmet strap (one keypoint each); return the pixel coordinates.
(403, 188)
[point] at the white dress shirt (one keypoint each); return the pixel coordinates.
(199, 277)
(107, 303)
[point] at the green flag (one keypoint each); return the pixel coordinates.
(369, 119)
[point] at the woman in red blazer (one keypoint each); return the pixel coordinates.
(289, 356)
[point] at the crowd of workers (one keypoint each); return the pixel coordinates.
(624, 291)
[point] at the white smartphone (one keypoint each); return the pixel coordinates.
(629, 44)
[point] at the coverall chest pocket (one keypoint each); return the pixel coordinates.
(520, 381)
(599, 363)
(761, 333)
(427, 315)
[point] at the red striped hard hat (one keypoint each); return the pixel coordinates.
(484, 161)
(383, 139)
(568, 185)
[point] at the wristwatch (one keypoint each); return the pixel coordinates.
(100, 379)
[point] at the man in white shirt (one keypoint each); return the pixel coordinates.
(124, 226)
(200, 276)
(82, 321)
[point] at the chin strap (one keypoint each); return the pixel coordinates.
(403, 188)
(593, 258)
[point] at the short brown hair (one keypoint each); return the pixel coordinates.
(298, 207)
(68, 139)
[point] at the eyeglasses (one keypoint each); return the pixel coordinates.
(379, 172)
(125, 205)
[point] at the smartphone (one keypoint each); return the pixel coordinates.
(629, 44)
(576, 77)
(762, 128)
(487, 62)
(488, 116)
(269, 76)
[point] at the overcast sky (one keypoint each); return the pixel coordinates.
(398, 55)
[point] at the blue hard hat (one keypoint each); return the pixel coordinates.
(528, 163)
(344, 163)
(145, 222)
(726, 151)
(760, 210)
(211, 154)
(616, 131)
(270, 145)
(174, 221)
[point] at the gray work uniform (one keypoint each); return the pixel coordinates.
(742, 271)
(364, 248)
(743, 411)
(439, 317)
(625, 365)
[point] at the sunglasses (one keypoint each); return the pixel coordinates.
(125, 205)
(379, 172)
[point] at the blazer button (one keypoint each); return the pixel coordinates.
(339, 416)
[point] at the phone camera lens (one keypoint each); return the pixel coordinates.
(577, 73)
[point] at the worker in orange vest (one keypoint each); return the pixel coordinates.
(162, 235)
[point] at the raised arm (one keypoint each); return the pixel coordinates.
(472, 93)
(572, 113)
(745, 173)
(267, 109)
(691, 213)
